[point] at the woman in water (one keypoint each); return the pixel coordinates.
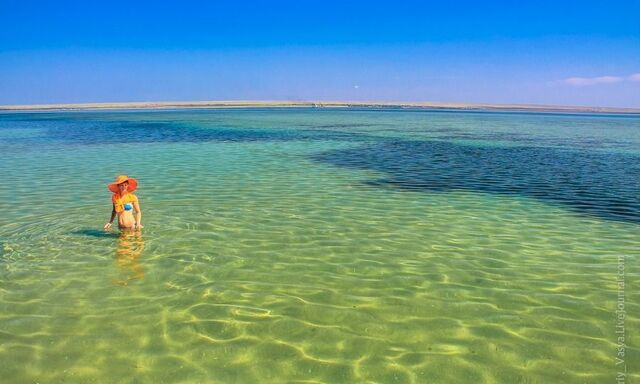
(124, 203)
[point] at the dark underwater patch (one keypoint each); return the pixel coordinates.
(88, 133)
(596, 183)
(91, 232)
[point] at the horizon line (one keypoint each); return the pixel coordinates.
(202, 104)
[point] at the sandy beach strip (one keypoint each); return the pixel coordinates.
(316, 104)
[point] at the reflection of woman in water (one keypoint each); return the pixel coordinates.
(124, 203)
(130, 246)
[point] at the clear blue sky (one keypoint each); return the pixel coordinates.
(544, 52)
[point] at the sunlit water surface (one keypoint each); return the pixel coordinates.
(320, 246)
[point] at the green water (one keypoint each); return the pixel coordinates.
(320, 246)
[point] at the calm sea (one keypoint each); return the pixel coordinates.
(321, 246)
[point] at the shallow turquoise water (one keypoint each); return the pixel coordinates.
(335, 246)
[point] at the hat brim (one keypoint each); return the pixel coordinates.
(133, 185)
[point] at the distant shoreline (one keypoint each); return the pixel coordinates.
(317, 104)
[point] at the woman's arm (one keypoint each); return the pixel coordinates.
(113, 216)
(136, 206)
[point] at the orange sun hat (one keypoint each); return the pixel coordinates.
(133, 183)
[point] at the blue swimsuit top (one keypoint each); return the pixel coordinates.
(128, 206)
